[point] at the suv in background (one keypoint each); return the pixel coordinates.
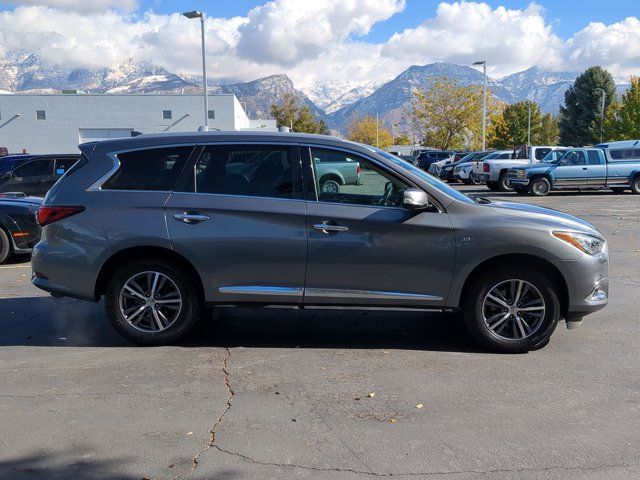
(33, 175)
(161, 225)
(425, 159)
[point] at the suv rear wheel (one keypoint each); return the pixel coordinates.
(151, 302)
(511, 310)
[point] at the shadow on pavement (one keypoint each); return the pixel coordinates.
(76, 464)
(44, 321)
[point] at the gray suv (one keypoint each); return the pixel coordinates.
(164, 225)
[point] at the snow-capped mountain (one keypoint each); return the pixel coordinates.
(335, 102)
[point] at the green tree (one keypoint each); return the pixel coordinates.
(623, 118)
(402, 140)
(549, 131)
(449, 115)
(292, 112)
(363, 130)
(512, 129)
(580, 116)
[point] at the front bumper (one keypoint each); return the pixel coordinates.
(519, 181)
(587, 282)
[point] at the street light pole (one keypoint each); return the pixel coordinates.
(604, 97)
(200, 15)
(484, 104)
(528, 124)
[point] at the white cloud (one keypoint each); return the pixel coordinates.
(464, 32)
(317, 41)
(285, 32)
(616, 46)
(83, 6)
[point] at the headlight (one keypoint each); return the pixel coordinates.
(520, 173)
(583, 242)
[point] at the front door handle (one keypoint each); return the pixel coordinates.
(584, 168)
(328, 228)
(191, 217)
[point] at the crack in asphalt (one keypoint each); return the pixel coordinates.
(416, 474)
(212, 432)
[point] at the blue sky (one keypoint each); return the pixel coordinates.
(334, 45)
(569, 15)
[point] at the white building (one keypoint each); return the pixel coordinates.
(58, 123)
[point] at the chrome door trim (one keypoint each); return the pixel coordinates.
(367, 294)
(262, 290)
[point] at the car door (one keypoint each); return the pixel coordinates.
(365, 249)
(597, 168)
(30, 178)
(572, 169)
(239, 217)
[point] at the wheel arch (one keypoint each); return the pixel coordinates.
(141, 252)
(526, 261)
(535, 176)
(332, 176)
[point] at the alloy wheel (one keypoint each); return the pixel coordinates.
(513, 310)
(150, 301)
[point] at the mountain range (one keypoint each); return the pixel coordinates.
(335, 103)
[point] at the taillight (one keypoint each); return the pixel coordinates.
(486, 168)
(359, 169)
(48, 215)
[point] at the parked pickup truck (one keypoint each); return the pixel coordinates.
(583, 168)
(334, 170)
(494, 170)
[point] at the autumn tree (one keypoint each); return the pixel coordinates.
(623, 117)
(449, 115)
(402, 140)
(363, 130)
(511, 127)
(581, 115)
(293, 113)
(549, 131)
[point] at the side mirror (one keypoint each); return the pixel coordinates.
(415, 199)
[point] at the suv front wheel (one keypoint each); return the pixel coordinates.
(511, 310)
(151, 302)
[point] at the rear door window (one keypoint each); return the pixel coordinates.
(541, 153)
(594, 157)
(35, 168)
(153, 169)
(64, 164)
(247, 170)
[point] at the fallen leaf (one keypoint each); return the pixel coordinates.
(419, 405)
(190, 433)
(393, 420)
(173, 465)
(371, 395)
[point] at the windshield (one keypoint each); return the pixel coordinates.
(434, 182)
(491, 155)
(553, 156)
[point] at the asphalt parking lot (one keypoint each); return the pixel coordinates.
(280, 394)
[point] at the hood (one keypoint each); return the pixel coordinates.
(542, 215)
(533, 166)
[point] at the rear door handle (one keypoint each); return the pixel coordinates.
(191, 217)
(584, 168)
(328, 228)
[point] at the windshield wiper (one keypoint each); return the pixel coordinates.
(478, 199)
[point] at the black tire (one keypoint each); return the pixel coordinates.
(618, 190)
(493, 186)
(329, 186)
(520, 190)
(187, 316)
(467, 181)
(504, 185)
(473, 307)
(540, 187)
(6, 250)
(635, 184)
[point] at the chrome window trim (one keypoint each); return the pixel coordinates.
(262, 290)
(368, 294)
(253, 197)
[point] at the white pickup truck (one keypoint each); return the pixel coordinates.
(494, 170)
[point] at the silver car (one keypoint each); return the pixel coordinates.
(164, 225)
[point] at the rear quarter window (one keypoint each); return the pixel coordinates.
(153, 169)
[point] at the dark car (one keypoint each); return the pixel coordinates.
(19, 231)
(425, 159)
(33, 174)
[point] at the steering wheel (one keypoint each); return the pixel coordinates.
(385, 200)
